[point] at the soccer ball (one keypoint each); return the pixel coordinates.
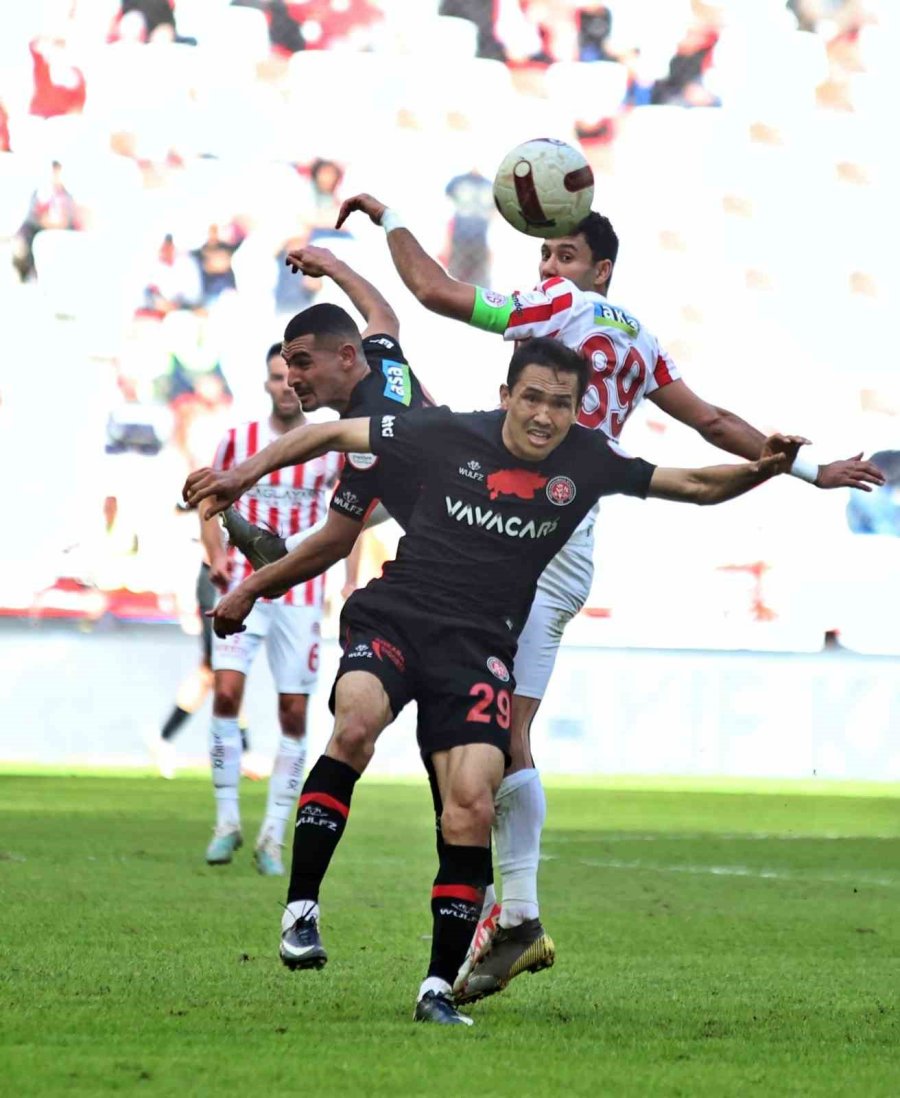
(544, 187)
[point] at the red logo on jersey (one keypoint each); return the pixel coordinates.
(383, 648)
(561, 491)
(514, 482)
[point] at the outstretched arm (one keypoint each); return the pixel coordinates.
(223, 487)
(424, 277)
(334, 541)
(718, 483)
(728, 431)
(321, 263)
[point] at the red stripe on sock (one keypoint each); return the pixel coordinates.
(326, 801)
(457, 892)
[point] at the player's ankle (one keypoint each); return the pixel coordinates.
(516, 912)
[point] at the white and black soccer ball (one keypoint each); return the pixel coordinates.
(544, 187)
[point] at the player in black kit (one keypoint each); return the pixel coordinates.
(330, 365)
(498, 494)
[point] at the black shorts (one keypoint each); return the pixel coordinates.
(206, 600)
(460, 678)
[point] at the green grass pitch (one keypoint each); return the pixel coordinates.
(743, 940)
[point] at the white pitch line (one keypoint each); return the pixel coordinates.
(740, 871)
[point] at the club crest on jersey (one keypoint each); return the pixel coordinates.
(493, 298)
(397, 384)
(471, 470)
(362, 461)
(561, 491)
(498, 668)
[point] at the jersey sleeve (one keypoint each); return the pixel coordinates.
(663, 371)
(385, 357)
(526, 314)
(358, 488)
(413, 438)
(622, 474)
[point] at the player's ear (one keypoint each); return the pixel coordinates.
(602, 274)
(504, 396)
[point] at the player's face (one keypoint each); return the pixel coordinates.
(316, 373)
(285, 404)
(570, 257)
(540, 409)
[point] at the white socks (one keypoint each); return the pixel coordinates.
(521, 809)
(225, 760)
(490, 898)
(298, 909)
(284, 787)
(433, 983)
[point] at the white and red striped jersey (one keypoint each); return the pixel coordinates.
(628, 362)
(285, 502)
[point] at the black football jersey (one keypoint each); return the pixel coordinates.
(390, 388)
(485, 523)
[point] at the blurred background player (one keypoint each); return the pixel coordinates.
(628, 365)
(194, 688)
(289, 500)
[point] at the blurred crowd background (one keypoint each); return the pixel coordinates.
(159, 158)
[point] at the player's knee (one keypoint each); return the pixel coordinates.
(353, 742)
(467, 817)
(227, 700)
(292, 715)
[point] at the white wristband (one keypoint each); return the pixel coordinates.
(805, 468)
(391, 220)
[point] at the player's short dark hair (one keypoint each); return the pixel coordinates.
(553, 354)
(601, 237)
(274, 350)
(324, 319)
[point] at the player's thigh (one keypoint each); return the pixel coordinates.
(237, 652)
(376, 672)
(292, 648)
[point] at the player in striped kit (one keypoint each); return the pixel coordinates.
(570, 304)
(289, 501)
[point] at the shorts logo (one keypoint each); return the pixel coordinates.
(498, 668)
(561, 491)
(494, 299)
(360, 652)
(387, 426)
(521, 483)
(383, 648)
(362, 461)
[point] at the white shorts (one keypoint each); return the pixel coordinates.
(562, 590)
(292, 636)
